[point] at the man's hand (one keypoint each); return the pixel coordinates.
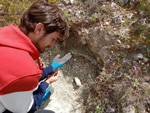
(58, 62)
(52, 78)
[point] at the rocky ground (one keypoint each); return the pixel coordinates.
(100, 43)
(69, 96)
(110, 44)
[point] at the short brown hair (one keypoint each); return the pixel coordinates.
(46, 13)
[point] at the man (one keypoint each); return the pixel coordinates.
(40, 27)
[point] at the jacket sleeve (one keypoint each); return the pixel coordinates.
(38, 94)
(22, 102)
(18, 102)
(47, 71)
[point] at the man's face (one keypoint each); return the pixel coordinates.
(47, 41)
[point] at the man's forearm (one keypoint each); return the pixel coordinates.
(47, 71)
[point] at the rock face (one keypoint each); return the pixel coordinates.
(101, 27)
(90, 45)
(89, 40)
(97, 40)
(75, 46)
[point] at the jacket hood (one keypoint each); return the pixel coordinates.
(12, 37)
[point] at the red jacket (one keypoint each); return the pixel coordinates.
(18, 71)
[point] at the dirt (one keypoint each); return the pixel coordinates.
(67, 96)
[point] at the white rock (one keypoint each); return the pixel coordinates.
(128, 46)
(71, 1)
(66, 1)
(145, 59)
(130, 15)
(119, 41)
(113, 4)
(84, 30)
(139, 56)
(143, 21)
(77, 81)
(79, 32)
(110, 109)
(129, 109)
(107, 23)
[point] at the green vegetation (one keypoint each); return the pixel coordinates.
(11, 10)
(124, 75)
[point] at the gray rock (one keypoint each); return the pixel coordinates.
(113, 4)
(143, 21)
(110, 109)
(117, 20)
(123, 2)
(139, 56)
(145, 59)
(129, 16)
(142, 13)
(129, 109)
(147, 79)
(132, 2)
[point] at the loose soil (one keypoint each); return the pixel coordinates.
(67, 97)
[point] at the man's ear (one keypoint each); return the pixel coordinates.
(39, 28)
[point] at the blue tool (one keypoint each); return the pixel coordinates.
(58, 62)
(48, 92)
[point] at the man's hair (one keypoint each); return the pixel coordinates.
(46, 13)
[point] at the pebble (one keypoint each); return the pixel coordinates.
(107, 23)
(110, 109)
(139, 56)
(123, 2)
(77, 81)
(129, 109)
(113, 4)
(119, 41)
(130, 15)
(143, 21)
(147, 79)
(117, 20)
(145, 59)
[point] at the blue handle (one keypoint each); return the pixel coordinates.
(46, 95)
(56, 65)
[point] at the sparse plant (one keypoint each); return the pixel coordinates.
(11, 10)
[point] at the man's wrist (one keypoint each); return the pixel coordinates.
(48, 82)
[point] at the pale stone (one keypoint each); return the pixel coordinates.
(139, 56)
(77, 81)
(129, 109)
(123, 2)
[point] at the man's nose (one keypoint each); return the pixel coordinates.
(52, 45)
